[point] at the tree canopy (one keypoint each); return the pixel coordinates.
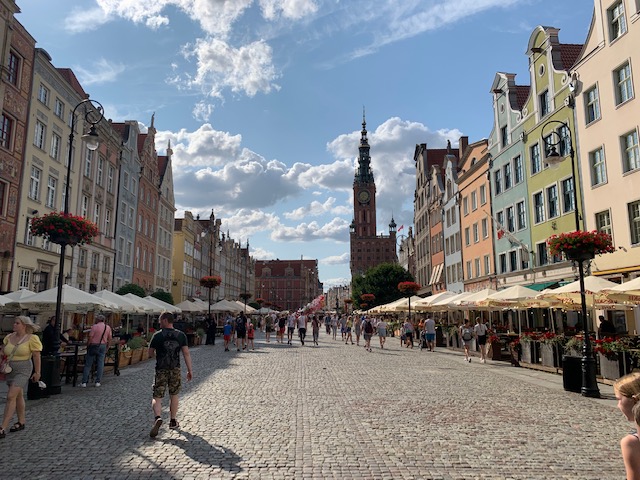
(131, 288)
(164, 296)
(382, 281)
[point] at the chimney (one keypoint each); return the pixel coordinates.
(463, 143)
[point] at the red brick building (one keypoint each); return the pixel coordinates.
(367, 248)
(287, 284)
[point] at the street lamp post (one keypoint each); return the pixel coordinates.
(589, 383)
(93, 112)
(210, 231)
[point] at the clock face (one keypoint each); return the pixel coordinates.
(364, 196)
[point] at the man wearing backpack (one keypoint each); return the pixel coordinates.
(367, 328)
(466, 333)
(241, 331)
(166, 346)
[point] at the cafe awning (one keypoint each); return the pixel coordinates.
(538, 287)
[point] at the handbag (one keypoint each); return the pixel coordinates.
(94, 348)
(5, 362)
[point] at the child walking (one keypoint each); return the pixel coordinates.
(251, 333)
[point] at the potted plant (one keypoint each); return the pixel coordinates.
(614, 355)
(496, 347)
(453, 337)
(367, 299)
(136, 344)
(124, 358)
(64, 228)
(200, 335)
(551, 347)
(573, 346)
(210, 281)
(581, 245)
(530, 347)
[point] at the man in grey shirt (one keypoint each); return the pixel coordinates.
(430, 333)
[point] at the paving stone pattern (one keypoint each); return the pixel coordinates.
(333, 411)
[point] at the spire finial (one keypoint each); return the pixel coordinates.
(448, 146)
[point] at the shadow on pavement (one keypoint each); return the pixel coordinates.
(204, 453)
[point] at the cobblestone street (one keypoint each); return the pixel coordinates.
(333, 411)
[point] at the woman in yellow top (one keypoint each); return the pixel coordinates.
(24, 346)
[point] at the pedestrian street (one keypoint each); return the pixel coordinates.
(331, 411)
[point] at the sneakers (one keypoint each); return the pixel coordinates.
(483, 361)
(173, 424)
(156, 427)
(83, 385)
(98, 384)
(469, 359)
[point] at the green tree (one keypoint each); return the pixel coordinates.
(131, 288)
(382, 281)
(164, 296)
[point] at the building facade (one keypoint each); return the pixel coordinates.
(452, 272)
(367, 248)
(166, 216)
(289, 284)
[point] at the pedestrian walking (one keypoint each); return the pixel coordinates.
(627, 391)
(466, 333)
(251, 333)
(334, 326)
(291, 327)
(480, 332)
(430, 333)
(343, 326)
(282, 321)
(302, 327)
(97, 345)
(357, 328)
(367, 328)
(23, 349)
(408, 333)
(348, 328)
(241, 331)
(268, 328)
(315, 328)
(227, 331)
(166, 345)
(327, 323)
(382, 332)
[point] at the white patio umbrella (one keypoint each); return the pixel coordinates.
(448, 302)
(473, 301)
(188, 306)
(125, 304)
(426, 302)
(403, 306)
(164, 306)
(569, 294)
(250, 309)
(632, 286)
(509, 297)
(19, 295)
(3, 300)
(388, 307)
(73, 300)
(226, 306)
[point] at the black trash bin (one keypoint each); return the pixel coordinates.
(572, 373)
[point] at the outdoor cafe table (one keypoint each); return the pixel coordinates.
(74, 351)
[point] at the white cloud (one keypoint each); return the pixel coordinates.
(293, 9)
(337, 229)
(335, 282)
(81, 19)
(202, 111)
(336, 260)
(101, 71)
(261, 254)
(315, 209)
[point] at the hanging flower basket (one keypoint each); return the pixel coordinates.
(245, 296)
(210, 281)
(581, 245)
(409, 288)
(64, 229)
(367, 297)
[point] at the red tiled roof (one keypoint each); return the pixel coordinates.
(522, 94)
(71, 79)
(569, 54)
(163, 161)
(141, 138)
(119, 127)
(435, 156)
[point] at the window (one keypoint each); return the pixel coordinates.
(538, 207)
(131, 216)
(96, 214)
(487, 264)
(483, 194)
(51, 192)
(500, 219)
(498, 182)
(504, 136)
(106, 264)
(28, 236)
(125, 180)
(25, 278)
(503, 262)
(592, 102)
(630, 154)
(603, 222)
(6, 129)
(518, 171)
(59, 109)
(476, 235)
(84, 206)
(598, 169)
(634, 221)
(543, 100)
(13, 68)
(511, 220)
(43, 95)
(623, 86)
(123, 212)
(95, 260)
(513, 260)
(34, 183)
(522, 215)
(467, 236)
(617, 21)
(469, 272)
(553, 202)
(128, 254)
(453, 215)
(107, 223)
(565, 141)
(100, 170)
(88, 157)
(568, 204)
(477, 267)
(3, 192)
(465, 206)
(507, 176)
(543, 257)
(474, 201)
(534, 155)
(485, 228)
(110, 174)
(55, 146)
(64, 194)
(40, 135)
(82, 258)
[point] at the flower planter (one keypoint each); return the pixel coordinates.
(124, 359)
(614, 368)
(550, 355)
(530, 352)
(145, 354)
(496, 350)
(136, 355)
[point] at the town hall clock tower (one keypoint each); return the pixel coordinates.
(367, 248)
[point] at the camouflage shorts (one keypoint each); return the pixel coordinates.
(167, 378)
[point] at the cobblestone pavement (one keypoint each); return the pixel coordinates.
(333, 411)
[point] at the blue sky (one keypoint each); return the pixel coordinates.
(262, 99)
